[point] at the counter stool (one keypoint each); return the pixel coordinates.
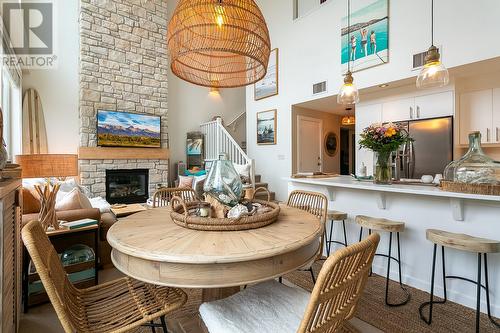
(334, 216)
(391, 227)
(462, 242)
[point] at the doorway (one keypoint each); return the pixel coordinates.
(347, 150)
(309, 147)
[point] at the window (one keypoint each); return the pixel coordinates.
(302, 7)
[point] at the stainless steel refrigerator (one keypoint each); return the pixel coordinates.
(429, 152)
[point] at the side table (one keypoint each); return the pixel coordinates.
(62, 239)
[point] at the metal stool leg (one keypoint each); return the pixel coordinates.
(478, 300)
(360, 234)
(164, 324)
(431, 301)
(153, 329)
(408, 295)
(330, 238)
(488, 291)
(345, 233)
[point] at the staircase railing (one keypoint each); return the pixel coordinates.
(219, 140)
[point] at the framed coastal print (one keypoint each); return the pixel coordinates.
(268, 86)
(366, 43)
(266, 127)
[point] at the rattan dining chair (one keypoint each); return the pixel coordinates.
(316, 204)
(274, 307)
(162, 197)
(116, 306)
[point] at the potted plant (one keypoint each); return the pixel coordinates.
(383, 140)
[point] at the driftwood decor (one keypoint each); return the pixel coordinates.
(47, 214)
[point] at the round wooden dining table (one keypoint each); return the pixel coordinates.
(150, 247)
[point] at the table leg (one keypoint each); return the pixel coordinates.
(214, 294)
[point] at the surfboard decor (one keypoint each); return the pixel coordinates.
(34, 131)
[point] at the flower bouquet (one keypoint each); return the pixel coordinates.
(383, 140)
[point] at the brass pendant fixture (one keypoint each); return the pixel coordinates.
(433, 74)
(218, 43)
(348, 93)
(348, 120)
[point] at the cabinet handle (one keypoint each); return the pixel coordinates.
(488, 135)
(418, 111)
(497, 133)
(411, 112)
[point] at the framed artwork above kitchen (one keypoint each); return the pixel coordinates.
(268, 86)
(366, 43)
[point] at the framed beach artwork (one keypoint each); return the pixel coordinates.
(194, 146)
(268, 86)
(367, 42)
(266, 127)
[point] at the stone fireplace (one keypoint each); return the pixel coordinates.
(123, 67)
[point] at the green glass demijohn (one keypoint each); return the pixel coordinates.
(475, 167)
(223, 182)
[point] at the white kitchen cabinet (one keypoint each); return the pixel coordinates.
(496, 116)
(434, 106)
(476, 114)
(365, 116)
(398, 110)
(420, 107)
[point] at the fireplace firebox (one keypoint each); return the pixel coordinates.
(127, 186)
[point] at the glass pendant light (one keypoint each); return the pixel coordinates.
(433, 74)
(348, 93)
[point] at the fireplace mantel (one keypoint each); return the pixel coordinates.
(119, 153)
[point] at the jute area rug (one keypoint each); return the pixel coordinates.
(447, 318)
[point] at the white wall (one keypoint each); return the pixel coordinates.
(190, 105)
(59, 88)
(310, 52)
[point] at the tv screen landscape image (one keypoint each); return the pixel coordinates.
(124, 129)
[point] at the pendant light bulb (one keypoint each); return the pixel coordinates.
(348, 93)
(219, 14)
(434, 74)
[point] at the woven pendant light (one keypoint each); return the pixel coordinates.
(219, 43)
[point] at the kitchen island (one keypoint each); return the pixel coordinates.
(421, 208)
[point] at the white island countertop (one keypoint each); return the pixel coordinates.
(333, 185)
(350, 182)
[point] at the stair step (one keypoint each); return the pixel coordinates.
(263, 196)
(259, 184)
(258, 178)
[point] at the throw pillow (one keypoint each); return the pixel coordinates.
(186, 181)
(244, 171)
(101, 203)
(31, 203)
(73, 200)
(198, 184)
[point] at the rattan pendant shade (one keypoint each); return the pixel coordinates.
(218, 43)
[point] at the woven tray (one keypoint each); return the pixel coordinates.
(484, 189)
(181, 217)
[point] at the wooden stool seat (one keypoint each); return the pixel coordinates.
(379, 224)
(463, 242)
(335, 215)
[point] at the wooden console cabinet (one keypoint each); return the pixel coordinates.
(10, 256)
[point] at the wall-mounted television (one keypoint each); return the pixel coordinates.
(125, 129)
